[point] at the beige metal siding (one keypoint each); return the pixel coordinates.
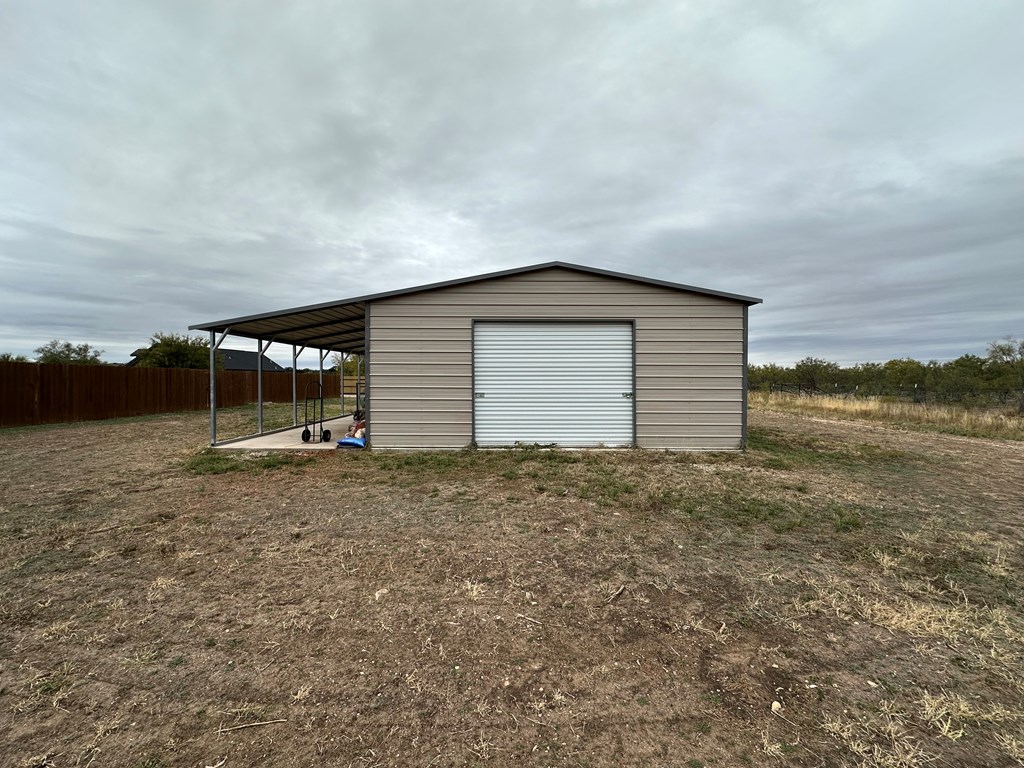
(689, 356)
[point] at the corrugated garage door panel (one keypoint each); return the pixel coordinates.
(569, 384)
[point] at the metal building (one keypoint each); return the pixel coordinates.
(552, 354)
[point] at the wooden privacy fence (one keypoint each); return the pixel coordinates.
(32, 393)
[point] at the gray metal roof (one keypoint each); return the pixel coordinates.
(341, 325)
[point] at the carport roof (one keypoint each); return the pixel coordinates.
(341, 325)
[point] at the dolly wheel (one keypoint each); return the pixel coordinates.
(306, 435)
(325, 436)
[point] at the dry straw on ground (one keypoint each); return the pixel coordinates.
(1004, 423)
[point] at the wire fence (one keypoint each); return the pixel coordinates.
(968, 397)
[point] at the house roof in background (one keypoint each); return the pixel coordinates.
(245, 360)
(232, 360)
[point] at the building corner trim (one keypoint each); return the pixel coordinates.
(743, 436)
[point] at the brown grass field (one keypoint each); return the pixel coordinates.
(1003, 422)
(843, 594)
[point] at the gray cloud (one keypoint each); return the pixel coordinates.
(859, 165)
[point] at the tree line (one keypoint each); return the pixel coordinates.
(999, 375)
(165, 350)
(996, 377)
(58, 351)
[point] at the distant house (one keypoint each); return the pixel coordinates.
(243, 360)
(230, 359)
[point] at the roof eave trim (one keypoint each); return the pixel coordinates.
(220, 325)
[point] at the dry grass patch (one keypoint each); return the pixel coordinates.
(1004, 423)
(881, 740)
(46, 689)
(919, 616)
(512, 607)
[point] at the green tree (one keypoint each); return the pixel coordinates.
(904, 374)
(816, 375)
(172, 350)
(348, 361)
(967, 375)
(1007, 358)
(7, 357)
(65, 352)
(867, 378)
(768, 376)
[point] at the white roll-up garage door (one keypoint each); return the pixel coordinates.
(569, 384)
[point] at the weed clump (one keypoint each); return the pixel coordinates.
(213, 462)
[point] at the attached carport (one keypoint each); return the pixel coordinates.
(326, 328)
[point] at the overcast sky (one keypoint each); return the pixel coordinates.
(858, 165)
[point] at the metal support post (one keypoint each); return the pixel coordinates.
(213, 388)
(259, 382)
(295, 389)
(259, 386)
(359, 390)
(214, 344)
(323, 353)
(295, 394)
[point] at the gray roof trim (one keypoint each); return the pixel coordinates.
(352, 310)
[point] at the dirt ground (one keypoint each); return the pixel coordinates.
(841, 594)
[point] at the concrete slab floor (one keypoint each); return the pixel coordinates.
(291, 439)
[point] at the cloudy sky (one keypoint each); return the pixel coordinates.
(859, 165)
